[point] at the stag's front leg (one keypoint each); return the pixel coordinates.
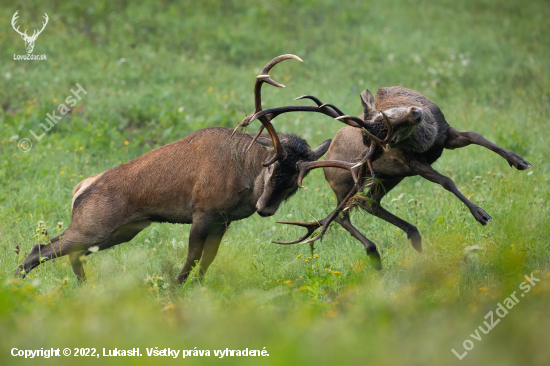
(427, 172)
(200, 230)
(456, 139)
(370, 247)
(211, 246)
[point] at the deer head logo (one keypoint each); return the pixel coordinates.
(29, 40)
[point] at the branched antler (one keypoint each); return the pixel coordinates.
(357, 175)
(264, 77)
(323, 223)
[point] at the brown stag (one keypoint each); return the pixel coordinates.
(420, 134)
(208, 179)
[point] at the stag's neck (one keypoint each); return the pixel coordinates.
(249, 164)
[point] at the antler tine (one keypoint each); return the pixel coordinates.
(305, 166)
(373, 138)
(310, 226)
(279, 153)
(388, 126)
(368, 155)
(315, 99)
(337, 110)
(255, 137)
(321, 104)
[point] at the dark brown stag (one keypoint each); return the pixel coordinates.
(207, 179)
(420, 134)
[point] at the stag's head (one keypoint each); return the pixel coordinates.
(29, 40)
(280, 178)
(404, 120)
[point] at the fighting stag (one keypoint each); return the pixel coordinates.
(418, 137)
(208, 179)
(29, 40)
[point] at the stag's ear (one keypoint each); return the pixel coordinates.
(367, 101)
(320, 150)
(266, 142)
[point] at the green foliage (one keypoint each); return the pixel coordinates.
(156, 71)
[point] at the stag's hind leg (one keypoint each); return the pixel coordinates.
(456, 139)
(77, 240)
(373, 206)
(341, 188)
(69, 243)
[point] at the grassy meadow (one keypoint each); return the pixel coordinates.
(156, 71)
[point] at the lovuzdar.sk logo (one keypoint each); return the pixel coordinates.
(29, 40)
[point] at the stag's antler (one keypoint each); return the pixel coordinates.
(279, 153)
(304, 167)
(323, 223)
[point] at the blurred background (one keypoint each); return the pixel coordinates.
(155, 72)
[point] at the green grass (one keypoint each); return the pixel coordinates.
(191, 65)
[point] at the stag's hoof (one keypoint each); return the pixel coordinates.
(517, 162)
(416, 241)
(523, 165)
(481, 216)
